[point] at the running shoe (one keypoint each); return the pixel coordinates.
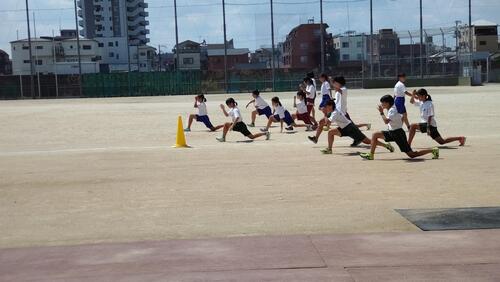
(326, 128)
(368, 126)
(326, 151)
(356, 143)
(435, 153)
(389, 147)
(251, 124)
(290, 128)
(313, 139)
(462, 140)
(264, 130)
(221, 139)
(366, 156)
(187, 130)
(309, 128)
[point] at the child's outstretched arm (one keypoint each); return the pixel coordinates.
(195, 103)
(413, 97)
(252, 101)
(224, 110)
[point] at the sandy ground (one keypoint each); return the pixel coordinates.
(103, 170)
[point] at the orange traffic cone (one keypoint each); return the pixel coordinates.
(180, 141)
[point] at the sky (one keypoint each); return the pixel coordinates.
(248, 21)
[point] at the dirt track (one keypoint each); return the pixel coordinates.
(95, 170)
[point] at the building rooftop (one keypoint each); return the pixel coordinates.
(483, 23)
(50, 39)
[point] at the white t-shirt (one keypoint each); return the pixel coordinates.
(280, 110)
(202, 109)
(235, 114)
(260, 103)
(426, 111)
(325, 89)
(311, 91)
(301, 107)
(314, 83)
(396, 119)
(399, 89)
(339, 118)
(341, 100)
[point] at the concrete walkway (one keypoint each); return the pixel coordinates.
(423, 256)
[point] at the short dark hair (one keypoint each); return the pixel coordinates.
(231, 101)
(276, 100)
(310, 74)
(330, 103)
(340, 80)
(202, 97)
(387, 99)
(401, 75)
(301, 93)
(256, 92)
(324, 75)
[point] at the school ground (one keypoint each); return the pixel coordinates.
(90, 172)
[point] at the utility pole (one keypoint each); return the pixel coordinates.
(32, 68)
(421, 43)
(177, 51)
(322, 37)
(54, 58)
(471, 68)
(411, 53)
(272, 43)
(226, 87)
(78, 50)
(371, 39)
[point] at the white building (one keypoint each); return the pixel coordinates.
(350, 47)
(58, 55)
(120, 28)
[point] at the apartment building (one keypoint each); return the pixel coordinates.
(55, 55)
(119, 27)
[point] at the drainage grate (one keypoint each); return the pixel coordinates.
(453, 218)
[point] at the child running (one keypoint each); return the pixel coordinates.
(428, 123)
(237, 123)
(301, 113)
(326, 91)
(261, 107)
(310, 91)
(202, 116)
(281, 115)
(399, 96)
(394, 121)
(345, 128)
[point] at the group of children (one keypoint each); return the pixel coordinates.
(334, 110)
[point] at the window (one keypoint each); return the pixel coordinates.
(359, 44)
(26, 61)
(87, 47)
(39, 62)
(304, 45)
(39, 47)
(70, 46)
(345, 44)
(100, 44)
(25, 47)
(482, 43)
(111, 54)
(117, 56)
(360, 56)
(188, 61)
(110, 44)
(303, 59)
(143, 54)
(116, 43)
(345, 57)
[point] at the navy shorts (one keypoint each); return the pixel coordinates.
(324, 100)
(287, 119)
(241, 127)
(205, 120)
(266, 111)
(400, 105)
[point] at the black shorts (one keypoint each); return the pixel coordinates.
(241, 127)
(398, 136)
(433, 130)
(352, 131)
